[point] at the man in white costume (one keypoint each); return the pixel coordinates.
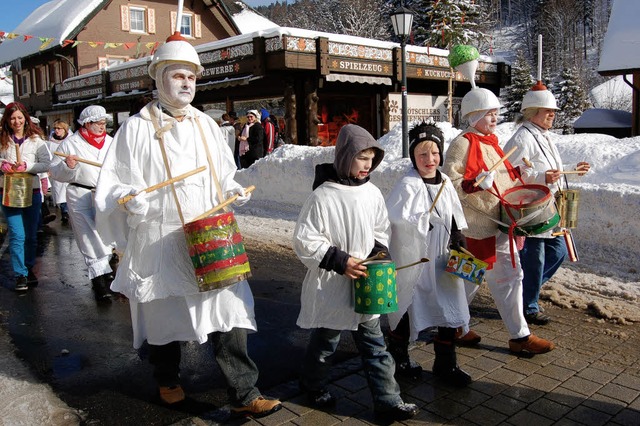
(91, 142)
(167, 138)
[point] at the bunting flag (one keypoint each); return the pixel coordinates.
(46, 42)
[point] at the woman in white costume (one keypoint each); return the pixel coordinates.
(91, 142)
(156, 272)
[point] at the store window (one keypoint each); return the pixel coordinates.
(335, 112)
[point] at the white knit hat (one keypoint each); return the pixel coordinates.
(92, 113)
(255, 113)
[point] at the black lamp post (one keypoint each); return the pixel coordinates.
(402, 19)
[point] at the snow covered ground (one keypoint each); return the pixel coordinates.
(606, 279)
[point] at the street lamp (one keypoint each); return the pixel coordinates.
(402, 19)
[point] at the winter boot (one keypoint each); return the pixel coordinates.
(445, 366)
(399, 350)
(100, 289)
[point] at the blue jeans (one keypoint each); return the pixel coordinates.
(22, 223)
(379, 366)
(540, 259)
(231, 354)
(63, 208)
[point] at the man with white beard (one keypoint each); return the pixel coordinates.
(169, 137)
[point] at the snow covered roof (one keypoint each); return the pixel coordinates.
(597, 118)
(60, 19)
(622, 40)
(249, 21)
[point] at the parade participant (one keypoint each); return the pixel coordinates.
(344, 219)
(168, 138)
(59, 189)
(543, 253)
(91, 142)
(427, 295)
(22, 150)
(270, 134)
(251, 145)
(467, 161)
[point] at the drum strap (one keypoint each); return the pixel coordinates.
(214, 175)
(159, 132)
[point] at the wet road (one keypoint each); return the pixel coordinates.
(84, 350)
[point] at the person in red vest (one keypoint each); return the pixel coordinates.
(270, 132)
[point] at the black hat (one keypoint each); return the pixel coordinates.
(233, 115)
(425, 132)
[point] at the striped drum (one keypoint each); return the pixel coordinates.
(217, 251)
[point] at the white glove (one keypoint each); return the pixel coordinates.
(242, 196)
(488, 180)
(138, 204)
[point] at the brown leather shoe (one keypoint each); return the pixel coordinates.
(171, 394)
(533, 345)
(470, 339)
(257, 408)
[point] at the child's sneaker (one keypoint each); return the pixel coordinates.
(257, 408)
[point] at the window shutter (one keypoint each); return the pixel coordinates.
(151, 18)
(124, 17)
(198, 26)
(174, 17)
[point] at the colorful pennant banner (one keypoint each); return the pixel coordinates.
(45, 42)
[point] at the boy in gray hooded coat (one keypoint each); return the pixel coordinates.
(343, 221)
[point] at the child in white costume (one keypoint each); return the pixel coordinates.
(344, 220)
(427, 295)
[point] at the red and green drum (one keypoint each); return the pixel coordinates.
(217, 251)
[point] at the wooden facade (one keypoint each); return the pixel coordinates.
(324, 80)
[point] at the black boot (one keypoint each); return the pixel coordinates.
(445, 366)
(399, 350)
(101, 289)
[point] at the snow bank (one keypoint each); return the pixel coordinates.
(606, 278)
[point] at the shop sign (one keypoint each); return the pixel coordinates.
(220, 70)
(419, 108)
(79, 94)
(359, 67)
(126, 86)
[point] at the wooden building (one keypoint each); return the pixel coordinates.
(322, 80)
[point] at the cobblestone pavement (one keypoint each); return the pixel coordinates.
(591, 378)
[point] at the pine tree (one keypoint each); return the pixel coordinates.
(521, 82)
(572, 99)
(454, 22)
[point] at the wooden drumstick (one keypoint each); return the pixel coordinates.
(79, 160)
(527, 162)
(467, 252)
(495, 166)
(379, 255)
(569, 172)
(423, 260)
(435, 200)
(224, 204)
(163, 184)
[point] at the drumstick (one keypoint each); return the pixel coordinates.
(424, 259)
(527, 162)
(379, 255)
(435, 200)
(80, 160)
(495, 166)
(569, 172)
(18, 155)
(224, 204)
(467, 252)
(163, 184)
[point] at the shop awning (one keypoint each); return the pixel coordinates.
(227, 82)
(365, 79)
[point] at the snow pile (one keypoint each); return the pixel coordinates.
(605, 279)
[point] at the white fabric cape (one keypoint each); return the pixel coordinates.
(351, 218)
(156, 272)
(432, 296)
